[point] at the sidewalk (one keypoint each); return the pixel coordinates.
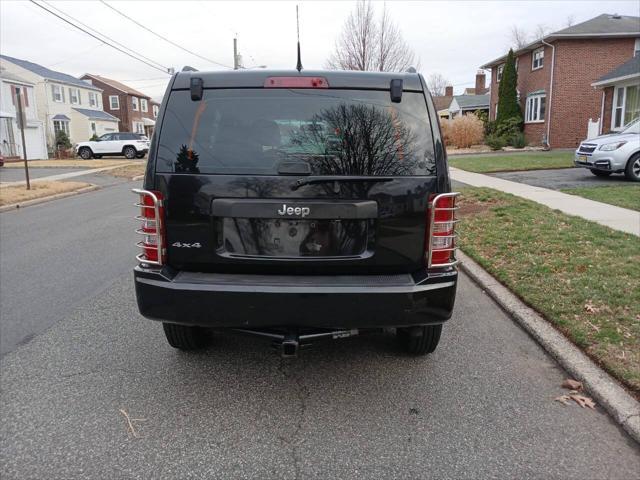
(610, 216)
(65, 176)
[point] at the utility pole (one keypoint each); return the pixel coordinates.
(235, 53)
(21, 125)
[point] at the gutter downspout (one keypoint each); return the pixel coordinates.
(553, 63)
(601, 114)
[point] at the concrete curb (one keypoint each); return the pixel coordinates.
(36, 201)
(624, 409)
(137, 177)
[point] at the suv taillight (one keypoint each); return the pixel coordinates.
(152, 229)
(440, 243)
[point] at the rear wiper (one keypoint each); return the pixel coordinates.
(336, 181)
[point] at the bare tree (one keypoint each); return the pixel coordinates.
(519, 37)
(541, 31)
(569, 21)
(437, 84)
(369, 44)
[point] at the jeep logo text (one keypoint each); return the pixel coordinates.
(300, 211)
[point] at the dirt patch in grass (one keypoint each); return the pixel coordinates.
(625, 196)
(516, 162)
(583, 277)
(68, 163)
(19, 193)
(128, 171)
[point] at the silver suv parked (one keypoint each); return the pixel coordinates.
(613, 153)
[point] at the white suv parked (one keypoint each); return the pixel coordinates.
(130, 145)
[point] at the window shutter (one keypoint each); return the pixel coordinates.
(62, 94)
(13, 94)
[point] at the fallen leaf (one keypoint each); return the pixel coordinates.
(583, 401)
(571, 384)
(563, 399)
(590, 307)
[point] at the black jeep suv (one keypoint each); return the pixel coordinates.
(296, 205)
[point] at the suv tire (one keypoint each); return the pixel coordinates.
(184, 337)
(632, 171)
(600, 173)
(85, 153)
(419, 340)
(129, 152)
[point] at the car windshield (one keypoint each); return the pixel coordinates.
(335, 132)
(632, 127)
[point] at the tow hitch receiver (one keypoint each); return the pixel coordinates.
(290, 341)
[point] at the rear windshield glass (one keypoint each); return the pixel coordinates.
(325, 132)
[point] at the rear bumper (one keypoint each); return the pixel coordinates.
(254, 301)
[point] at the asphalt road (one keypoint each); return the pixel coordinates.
(560, 178)
(57, 254)
(481, 406)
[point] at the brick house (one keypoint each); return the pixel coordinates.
(133, 109)
(557, 73)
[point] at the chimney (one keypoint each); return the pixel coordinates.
(448, 91)
(481, 79)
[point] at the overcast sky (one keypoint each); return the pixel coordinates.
(450, 38)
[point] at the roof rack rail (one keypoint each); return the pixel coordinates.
(188, 68)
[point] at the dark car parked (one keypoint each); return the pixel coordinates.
(297, 205)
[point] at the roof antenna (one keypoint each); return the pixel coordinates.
(299, 65)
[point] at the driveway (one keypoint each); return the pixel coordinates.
(561, 178)
(480, 407)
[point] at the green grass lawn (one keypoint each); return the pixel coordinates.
(519, 161)
(625, 196)
(583, 277)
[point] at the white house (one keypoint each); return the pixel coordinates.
(463, 104)
(63, 102)
(10, 135)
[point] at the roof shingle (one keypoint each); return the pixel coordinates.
(96, 114)
(47, 73)
(118, 85)
(626, 69)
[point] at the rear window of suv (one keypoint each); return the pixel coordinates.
(337, 132)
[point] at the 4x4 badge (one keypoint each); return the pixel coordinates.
(300, 211)
(186, 245)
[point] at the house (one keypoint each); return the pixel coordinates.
(465, 104)
(620, 94)
(134, 109)
(63, 102)
(559, 78)
(10, 134)
(444, 103)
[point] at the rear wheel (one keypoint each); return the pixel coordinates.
(184, 337)
(632, 171)
(419, 340)
(85, 153)
(600, 173)
(130, 153)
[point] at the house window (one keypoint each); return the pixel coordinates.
(93, 99)
(143, 105)
(138, 127)
(537, 59)
(93, 127)
(114, 102)
(155, 111)
(535, 108)
(636, 48)
(57, 93)
(499, 72)
(134, 103)
(626, 105)
(61, 125)
(74, 96)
